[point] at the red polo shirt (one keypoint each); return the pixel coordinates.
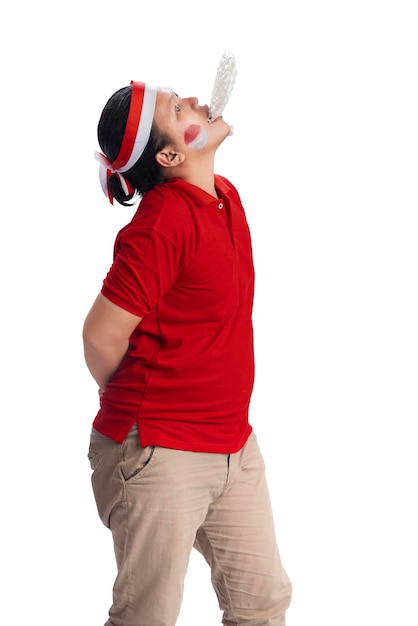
(184, 264)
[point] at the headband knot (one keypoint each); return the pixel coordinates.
(135, 138)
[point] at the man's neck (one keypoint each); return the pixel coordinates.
(198, 174)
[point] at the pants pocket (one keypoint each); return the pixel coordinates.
(135, 459)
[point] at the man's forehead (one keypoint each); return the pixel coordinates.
(166, 90)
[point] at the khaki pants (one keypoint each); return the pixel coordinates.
(159, 503)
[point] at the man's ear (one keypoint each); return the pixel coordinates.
(168, 157)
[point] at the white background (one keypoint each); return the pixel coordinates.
(324, 155)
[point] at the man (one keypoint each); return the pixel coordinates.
(169, 342)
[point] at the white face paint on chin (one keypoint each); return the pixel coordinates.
(195, 137)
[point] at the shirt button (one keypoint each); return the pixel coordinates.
(220, 205)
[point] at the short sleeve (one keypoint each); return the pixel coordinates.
(145, 266)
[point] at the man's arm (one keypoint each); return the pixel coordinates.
(106, 333)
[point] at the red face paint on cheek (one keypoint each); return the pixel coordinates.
(195, 137)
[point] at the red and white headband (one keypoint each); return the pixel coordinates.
(135, 138)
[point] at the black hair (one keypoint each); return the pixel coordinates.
(146, 173)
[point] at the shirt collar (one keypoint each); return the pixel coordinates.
(198, 195)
